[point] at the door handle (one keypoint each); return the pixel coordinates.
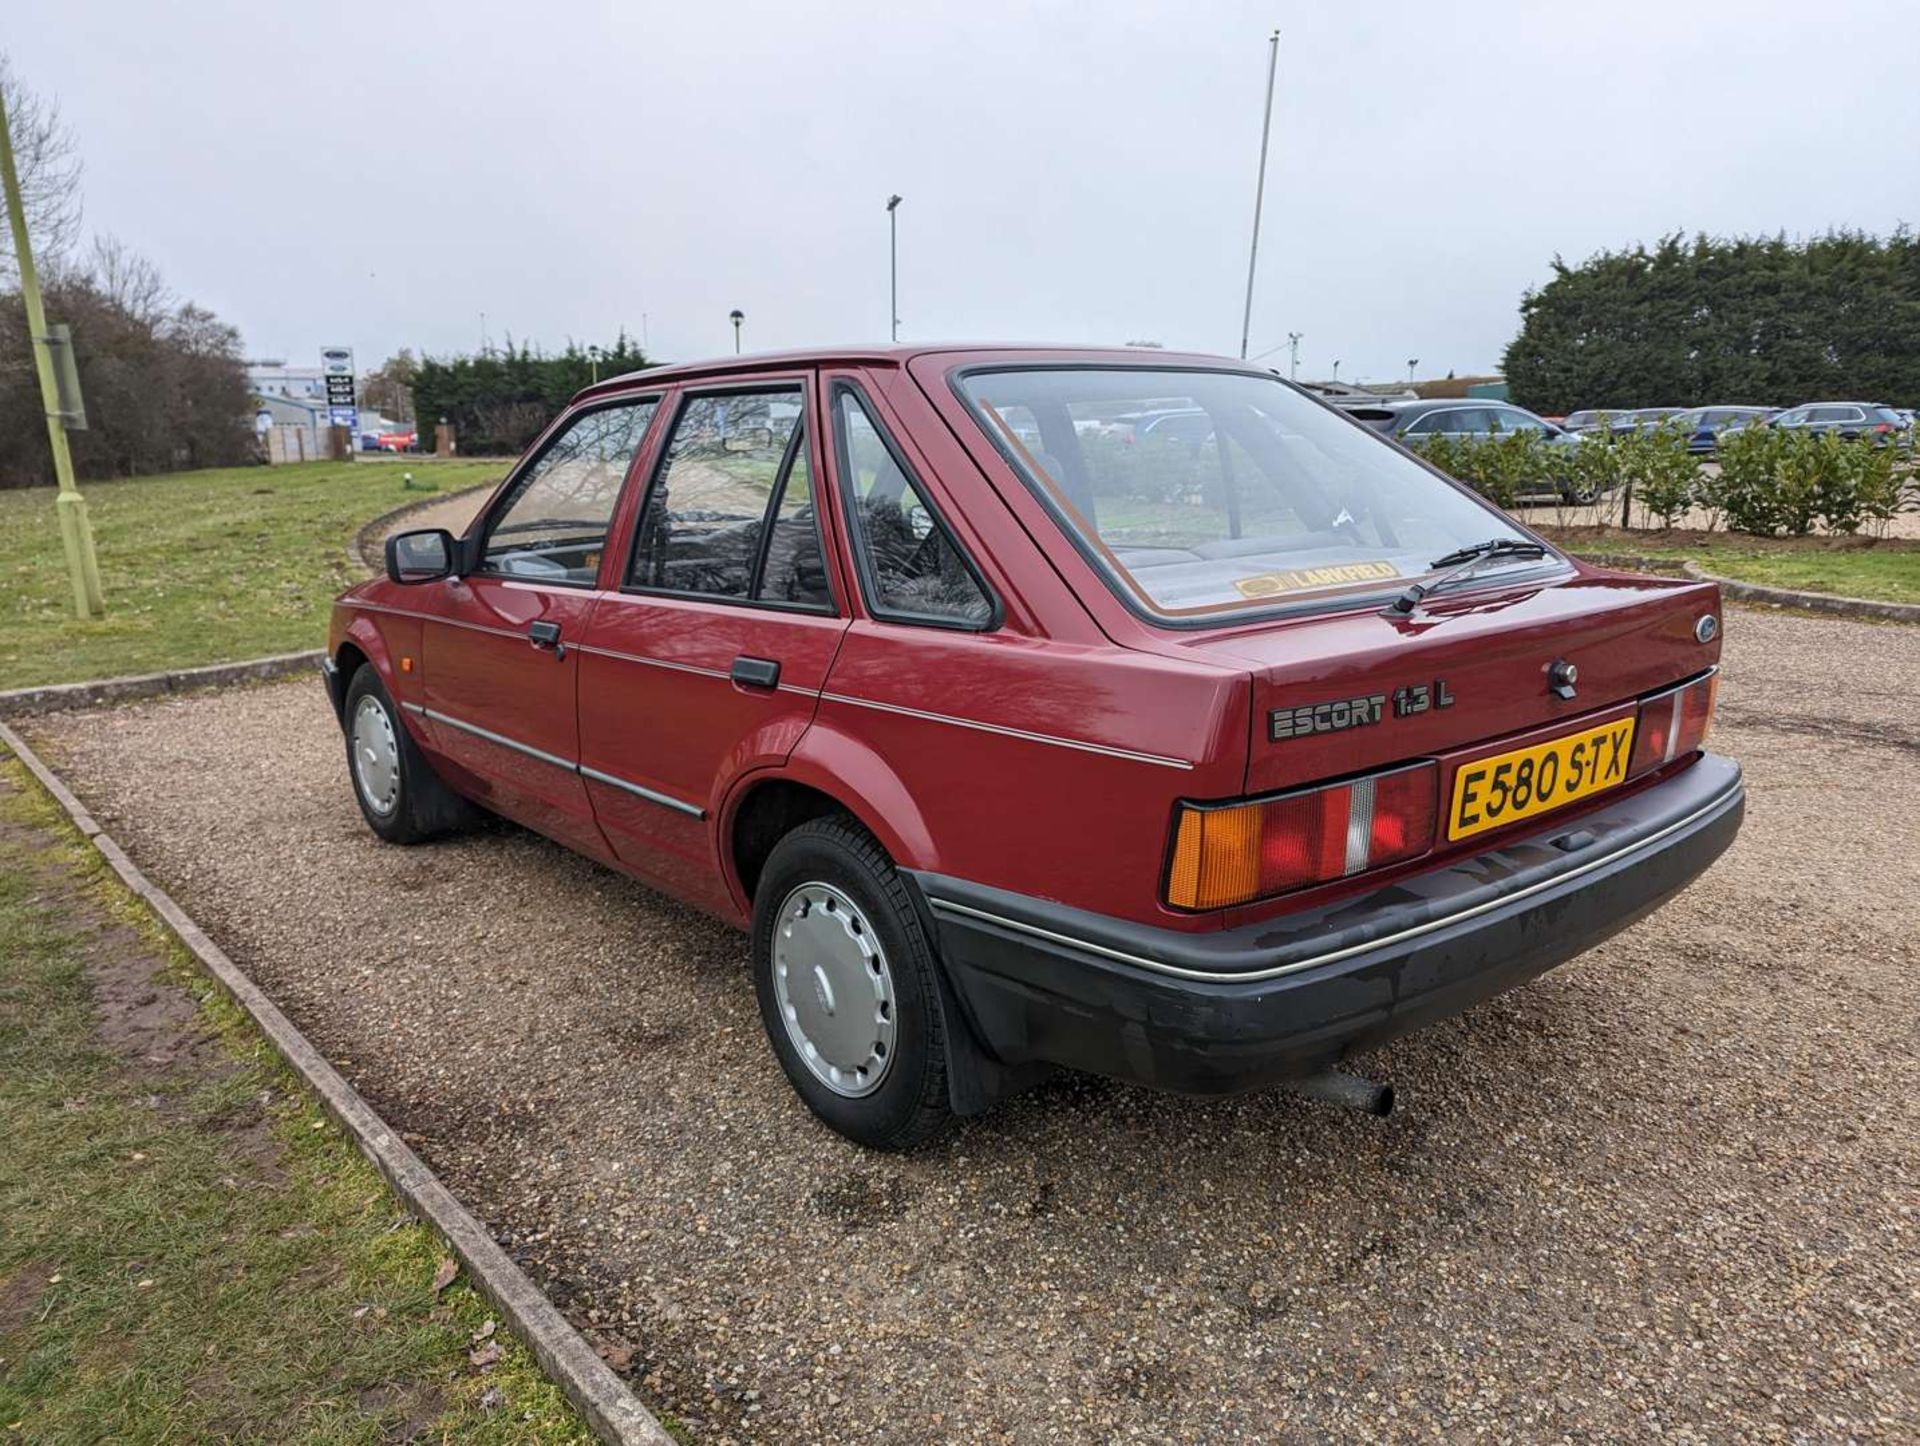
(547, 635)
(755, 672)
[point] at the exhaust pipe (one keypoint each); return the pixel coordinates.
(1350, 1090)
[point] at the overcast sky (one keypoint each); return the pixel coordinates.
(380, 175)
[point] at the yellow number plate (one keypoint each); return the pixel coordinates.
(1528, 781)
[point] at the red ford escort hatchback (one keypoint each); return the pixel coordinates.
(1041, 708)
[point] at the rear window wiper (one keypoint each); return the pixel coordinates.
(1461, 563)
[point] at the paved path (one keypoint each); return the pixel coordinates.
(1673, 1187)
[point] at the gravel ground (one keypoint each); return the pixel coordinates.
(1669, 1189)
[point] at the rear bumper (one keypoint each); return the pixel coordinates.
(1233, 1010)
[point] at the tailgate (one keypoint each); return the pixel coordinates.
(1350, 692)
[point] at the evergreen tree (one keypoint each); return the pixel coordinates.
(1753, 320)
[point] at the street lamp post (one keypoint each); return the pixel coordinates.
(1293, 355)
(1412, 362)
(736, 316)
(1336, 369)
(893, 265)
(1259, 191)
(593, 356)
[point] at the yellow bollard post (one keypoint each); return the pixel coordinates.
(76, 533)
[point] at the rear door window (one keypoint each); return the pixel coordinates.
(731, 514)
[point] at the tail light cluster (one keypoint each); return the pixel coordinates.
(1673, 724)
(1228, 854)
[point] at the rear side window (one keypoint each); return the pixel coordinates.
(911, 569)
(1511, 419)
(731, 513)
(552, 527)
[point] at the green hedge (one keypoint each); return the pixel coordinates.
(500, 401)
(1768, 482)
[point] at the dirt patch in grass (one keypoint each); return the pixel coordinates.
(150, 1023)
(20, 1294)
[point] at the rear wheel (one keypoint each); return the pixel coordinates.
(401, 797)
(847, 986)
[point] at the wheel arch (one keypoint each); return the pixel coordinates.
(829, 772)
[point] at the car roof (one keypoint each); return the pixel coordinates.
(1435, 404)
(899, 356)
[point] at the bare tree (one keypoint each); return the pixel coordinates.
(126, 279)
(49, 168)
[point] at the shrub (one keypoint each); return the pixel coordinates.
(1666, 474)
(1886, 488)
(1744, 492)
(1502, 468)
(1600, 470)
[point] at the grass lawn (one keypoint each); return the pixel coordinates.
(1887, 570)
(189, 1249)
(197, 567)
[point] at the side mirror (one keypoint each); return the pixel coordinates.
(420, 556)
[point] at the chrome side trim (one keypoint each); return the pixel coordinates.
(693, 668)
(505, 742)
(435, 618)
(1249, 976)
(1021, 733)
(665, 800)
(652, 662)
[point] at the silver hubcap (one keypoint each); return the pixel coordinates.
(376, 756)
(834, 989)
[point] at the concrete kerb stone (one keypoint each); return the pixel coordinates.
(614, 1412)
(58, 696)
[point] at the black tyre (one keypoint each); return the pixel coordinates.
(848, 989)
(400, 795)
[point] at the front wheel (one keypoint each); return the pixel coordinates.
(847, 986)
(401, 797)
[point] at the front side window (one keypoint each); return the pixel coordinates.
(732, 513)
(552, 525)
(911, 568)
(1281, 501)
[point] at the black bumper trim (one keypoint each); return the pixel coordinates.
(950, 908)
(1234, 1009)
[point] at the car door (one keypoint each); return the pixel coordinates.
(500, 653)
(707, 660)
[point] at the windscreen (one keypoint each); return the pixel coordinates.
(1201, 493)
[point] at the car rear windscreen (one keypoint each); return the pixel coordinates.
(1199, 493)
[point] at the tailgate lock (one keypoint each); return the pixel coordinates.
(1561, 677)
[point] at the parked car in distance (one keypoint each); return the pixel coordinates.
(1703, 425)
(1410, 422)
(1014, 748)
(1621, 419)
(1588, 418)
(1847, 420)
(398, 441)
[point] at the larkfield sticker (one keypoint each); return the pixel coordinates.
(1272, 584)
